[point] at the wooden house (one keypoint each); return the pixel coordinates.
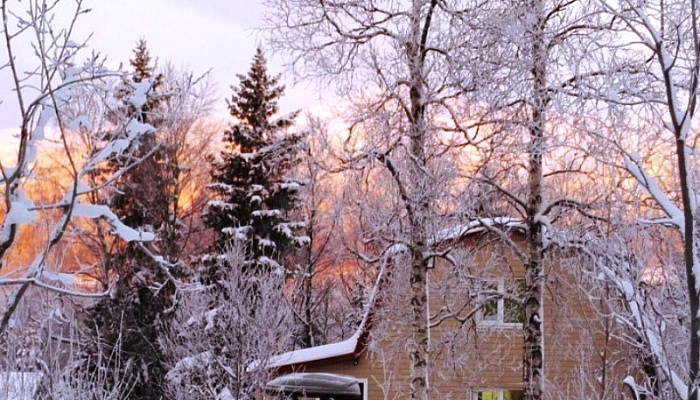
(476, 344)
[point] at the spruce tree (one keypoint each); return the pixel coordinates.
(254, 197)
(126, 326)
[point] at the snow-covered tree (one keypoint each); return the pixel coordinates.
(652, 90)
(223, 336)
(44, 92)
(522, 65)
(253, 195)
(129, 322)
(314, 285)
(391, 60)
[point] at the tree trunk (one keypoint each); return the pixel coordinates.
(533, 357)
(689, 255)
(419, 346)
(420, 207)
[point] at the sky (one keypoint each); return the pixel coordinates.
(197, 35)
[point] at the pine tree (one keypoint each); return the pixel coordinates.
(254, 198)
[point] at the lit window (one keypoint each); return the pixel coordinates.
(504, 309)
(499, 394)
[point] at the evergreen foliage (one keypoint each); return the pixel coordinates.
(125, 328)
(141, 196)
(254, 197)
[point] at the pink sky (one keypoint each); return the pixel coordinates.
(198, 35)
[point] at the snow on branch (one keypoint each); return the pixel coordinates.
(649, 183)
(121, 230)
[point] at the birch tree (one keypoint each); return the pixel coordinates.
(42, 91)
(314, 283)
(391, 59)
(526, 60)
(654, 93)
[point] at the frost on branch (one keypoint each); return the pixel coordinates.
(220, 329)
(59, 99)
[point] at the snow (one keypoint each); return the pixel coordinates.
(67, 279)
(134, 129)
(646, 327)
(210, 316)
(140, 96)
(20, 213)
(679, 385)
(185, 365)
(650, 184)
(629, 381)
(115, 147)
(225, 395)
(272, 264)
(19, 385)
(284, 229)
(302, 241)
(477, 226)
(81, 122)
(121, 230)
(290, 186)
(83, 188)
(266, 213)
(221, 186)
(246, 156)
(222, 205)
(346, 347)
(267, 243)
(240, 233)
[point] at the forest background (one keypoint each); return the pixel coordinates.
(134, 225)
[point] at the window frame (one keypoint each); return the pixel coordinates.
(364, 387)
(499, 321)
(499, 392)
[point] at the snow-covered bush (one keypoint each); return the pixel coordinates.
(225, 331)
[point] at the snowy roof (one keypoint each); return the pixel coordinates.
(326, 351)
(477, 226)
(474, 226)
(19, 385)
(351, 346)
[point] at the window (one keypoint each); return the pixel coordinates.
(503, 309)
(499, 394)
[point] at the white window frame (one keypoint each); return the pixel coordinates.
(365, 388)
(500, 309)
(499, 392)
